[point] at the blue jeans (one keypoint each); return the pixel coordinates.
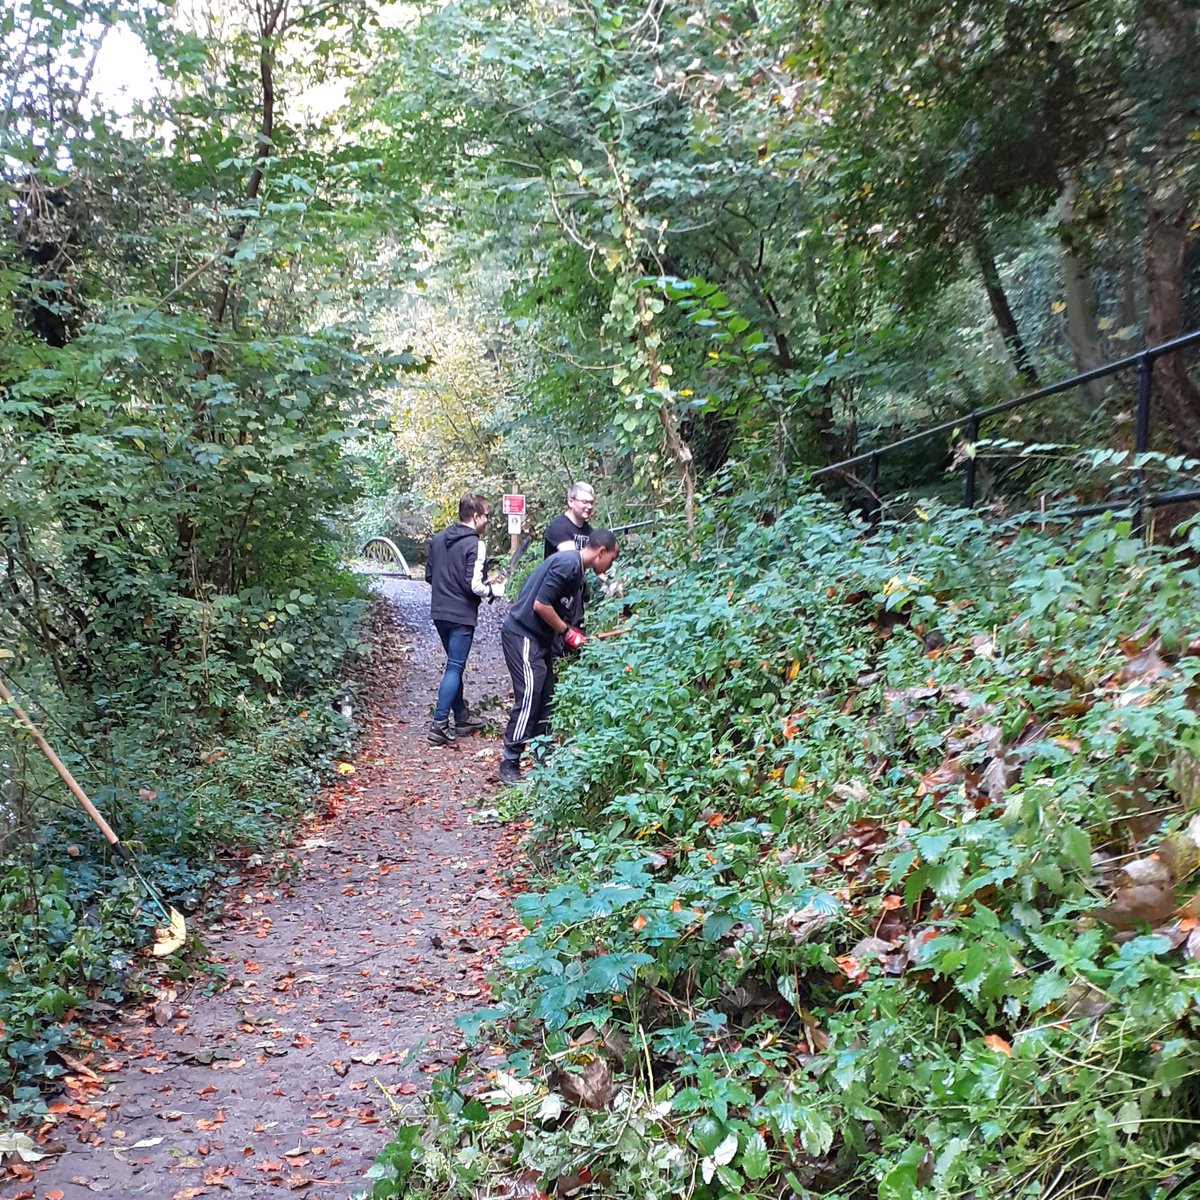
(456, 641)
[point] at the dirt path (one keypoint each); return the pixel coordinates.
(342, 983)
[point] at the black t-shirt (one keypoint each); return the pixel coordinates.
(563, 529)
(557, 581)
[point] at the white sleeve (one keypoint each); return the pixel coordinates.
(480, 588)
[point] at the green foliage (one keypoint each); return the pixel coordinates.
(843, 181)
(182, 366)
(827, 846)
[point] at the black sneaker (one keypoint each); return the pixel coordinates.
(441, 733)
(510, 772)
(470, 723)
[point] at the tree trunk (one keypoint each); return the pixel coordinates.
(1003, 313)
(1129, 317)
(1170, 212)
(1082, 334)
(1175, 396)
(676, 447)
(270, 17)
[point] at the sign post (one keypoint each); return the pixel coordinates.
(513, 507)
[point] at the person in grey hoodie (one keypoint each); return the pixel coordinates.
(454, 569)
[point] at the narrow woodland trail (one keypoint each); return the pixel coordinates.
(342, 976)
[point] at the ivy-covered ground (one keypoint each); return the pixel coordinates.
(866, 871)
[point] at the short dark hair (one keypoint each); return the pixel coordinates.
(471, 505)
(602, 539)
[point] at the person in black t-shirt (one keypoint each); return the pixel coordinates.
(570, 531)
(542, 611)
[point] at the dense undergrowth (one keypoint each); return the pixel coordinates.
(190, 786)
(866, 870)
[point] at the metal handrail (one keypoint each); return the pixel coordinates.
(1142, 362)
(383, 549)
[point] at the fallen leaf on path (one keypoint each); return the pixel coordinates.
(21, 1145)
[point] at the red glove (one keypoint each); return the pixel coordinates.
(574, 638)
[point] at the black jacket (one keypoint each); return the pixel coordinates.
(454, 567)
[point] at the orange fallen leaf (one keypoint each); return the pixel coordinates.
(994, 1042)
(851, 968)
(639, 923)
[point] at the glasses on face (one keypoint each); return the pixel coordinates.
(585, 501)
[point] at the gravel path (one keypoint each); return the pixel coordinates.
(342, 974)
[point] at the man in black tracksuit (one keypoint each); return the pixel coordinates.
(454, 568)
(543, 609)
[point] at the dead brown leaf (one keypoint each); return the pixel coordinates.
(590, 1087)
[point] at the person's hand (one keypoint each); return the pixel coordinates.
(497, 588)
(574, 638)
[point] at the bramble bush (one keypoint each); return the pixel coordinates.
(866, 865)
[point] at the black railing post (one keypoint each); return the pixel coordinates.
(873, 503)
(969, 475)
(1141, 437)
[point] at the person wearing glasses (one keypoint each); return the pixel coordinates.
(570, 531)
(454, 569)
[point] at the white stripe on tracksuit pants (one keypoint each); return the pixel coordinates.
(531, 667)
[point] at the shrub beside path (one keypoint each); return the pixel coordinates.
(337, 973)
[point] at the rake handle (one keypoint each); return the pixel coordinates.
(64, 774)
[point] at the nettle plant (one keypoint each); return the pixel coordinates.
(866, 871)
